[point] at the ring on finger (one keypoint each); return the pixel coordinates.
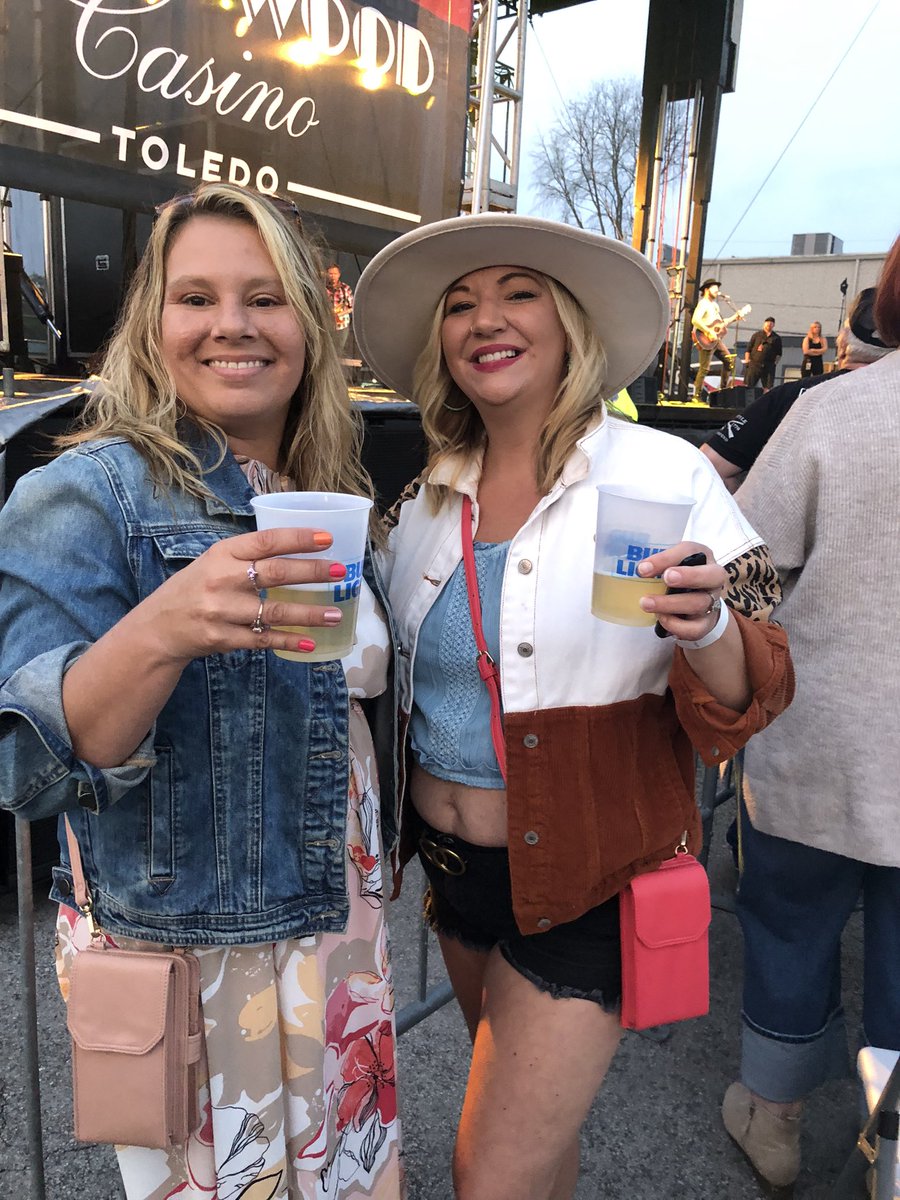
(258, 626)
(253, 576)
(715, 603)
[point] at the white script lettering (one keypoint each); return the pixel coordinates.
(161, 68)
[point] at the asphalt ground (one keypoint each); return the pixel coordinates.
(653, 1133)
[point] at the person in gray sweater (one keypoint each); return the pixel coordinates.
(821, 783)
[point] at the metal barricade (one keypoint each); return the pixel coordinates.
(876, 1147)
(427, 1000)
(34, 1131)
(717, 787)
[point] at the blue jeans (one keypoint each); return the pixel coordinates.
(793, 904)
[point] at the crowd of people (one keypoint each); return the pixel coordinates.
(254, 810)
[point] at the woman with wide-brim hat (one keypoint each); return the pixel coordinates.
(509, 333)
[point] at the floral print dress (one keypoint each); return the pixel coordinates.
(297, 1088)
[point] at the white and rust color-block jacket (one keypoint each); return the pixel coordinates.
(600, 720)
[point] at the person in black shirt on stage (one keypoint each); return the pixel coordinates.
(762, 355)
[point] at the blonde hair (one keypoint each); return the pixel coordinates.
(136, 398)
(451, 422)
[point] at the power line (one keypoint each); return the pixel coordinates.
(799, 127)
(547, 62)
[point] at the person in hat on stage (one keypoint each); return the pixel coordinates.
(529, 816)
(709, 325)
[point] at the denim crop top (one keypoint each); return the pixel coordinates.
(450, 724)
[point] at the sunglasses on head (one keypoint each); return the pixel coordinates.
(287, 208)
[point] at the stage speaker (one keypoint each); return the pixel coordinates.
(393, 451)
(738, 396)
(644, 390)
(12, 330)
(102, 247)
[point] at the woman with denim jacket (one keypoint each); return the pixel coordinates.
(224, 799)
(508, 332)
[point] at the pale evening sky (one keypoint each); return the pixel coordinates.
(841, 174)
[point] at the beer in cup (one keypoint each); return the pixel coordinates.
(631, 527)
(346, 518)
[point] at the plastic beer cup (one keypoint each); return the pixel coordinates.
(346, 518)
(631, 527)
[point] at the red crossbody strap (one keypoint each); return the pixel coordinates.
(487, 668)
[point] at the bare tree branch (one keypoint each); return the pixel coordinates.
(585, 166)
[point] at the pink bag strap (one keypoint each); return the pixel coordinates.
(82, 893)
(487, 668)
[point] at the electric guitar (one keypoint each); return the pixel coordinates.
(708, 343)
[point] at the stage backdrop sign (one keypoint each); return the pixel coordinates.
(356, 110)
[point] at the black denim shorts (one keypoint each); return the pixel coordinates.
(470, 899)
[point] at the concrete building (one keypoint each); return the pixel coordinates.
(796, 290)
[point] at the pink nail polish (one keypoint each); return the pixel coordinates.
(333, 616)
(337, 570)
(306, 644)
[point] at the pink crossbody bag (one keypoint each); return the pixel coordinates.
(134, 1020)
(664, 914)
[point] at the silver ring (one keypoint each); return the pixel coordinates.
(258, 626)
(715, 603)
(253, 576)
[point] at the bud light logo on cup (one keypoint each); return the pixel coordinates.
(627, 566)
(349, 586)
(617, 587)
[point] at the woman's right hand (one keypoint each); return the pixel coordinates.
(210, 606)
(114, 692)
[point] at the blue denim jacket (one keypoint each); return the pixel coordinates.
(227, 825)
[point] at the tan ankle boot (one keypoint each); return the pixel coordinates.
(770, 1142)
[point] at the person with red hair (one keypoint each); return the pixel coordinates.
(887, 306)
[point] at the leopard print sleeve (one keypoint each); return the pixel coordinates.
(753, 588)
(391, 517)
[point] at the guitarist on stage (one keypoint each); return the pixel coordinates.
(709, 325)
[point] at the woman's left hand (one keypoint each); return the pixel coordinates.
(691, 615)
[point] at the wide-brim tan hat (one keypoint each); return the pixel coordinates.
(623, 295)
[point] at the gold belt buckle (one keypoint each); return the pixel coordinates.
(443, 857)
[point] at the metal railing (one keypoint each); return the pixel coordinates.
(719, 785)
